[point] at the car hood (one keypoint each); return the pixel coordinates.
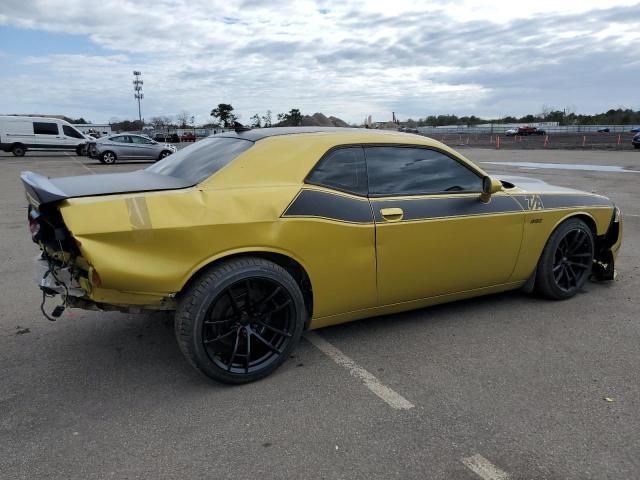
(534, 185)
(42, 190)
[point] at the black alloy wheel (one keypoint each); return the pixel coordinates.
(573, 260)
(241, 320)
(164, 153)
(567, 260)
(248, 325)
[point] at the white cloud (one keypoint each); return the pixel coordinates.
(348, 59)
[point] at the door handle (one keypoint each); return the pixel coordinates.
(392, 214)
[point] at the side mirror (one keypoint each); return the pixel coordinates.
(489, 187)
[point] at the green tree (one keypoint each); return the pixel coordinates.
(76, 121)
(291, 119)
(266, 119)
(127, 126)
(255, 121)
(183, 118)
(224, 114)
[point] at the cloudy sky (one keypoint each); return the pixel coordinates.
(347, 58)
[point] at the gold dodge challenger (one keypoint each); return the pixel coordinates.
(253, 236)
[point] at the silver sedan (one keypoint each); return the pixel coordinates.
(128, 147)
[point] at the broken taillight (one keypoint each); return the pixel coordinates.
(34, 224)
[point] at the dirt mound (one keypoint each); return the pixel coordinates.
(321, 120)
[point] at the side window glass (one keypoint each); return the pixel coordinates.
(45, 128)
(343, 169)
(71, 132)
(415, 171)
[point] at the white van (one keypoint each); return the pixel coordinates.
(19, 134)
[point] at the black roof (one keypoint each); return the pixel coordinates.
(260, 133)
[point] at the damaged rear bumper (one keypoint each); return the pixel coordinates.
(76, 291)
(56, 280)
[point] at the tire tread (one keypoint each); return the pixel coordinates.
(544, 283)
(197, 293)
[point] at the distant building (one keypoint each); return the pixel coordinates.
(101, 128)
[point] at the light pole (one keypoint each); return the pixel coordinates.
(193, 123)
(137, 87)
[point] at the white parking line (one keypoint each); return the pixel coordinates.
(75, 159)
(393, 399)
(484, 468)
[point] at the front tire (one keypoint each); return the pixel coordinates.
(81, 150)
(566, 261)
(240, 320)
(108, 158)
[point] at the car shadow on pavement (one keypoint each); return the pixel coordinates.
(489, 307)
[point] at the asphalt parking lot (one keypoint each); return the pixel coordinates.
(505, 386)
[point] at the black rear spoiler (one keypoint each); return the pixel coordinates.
(42, 190)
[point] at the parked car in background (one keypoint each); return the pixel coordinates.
(635, 130)
(129, 147)
(188, 137)
(20, 134)
(511, 132)
(636, 140)
(530, 131)
(604, 130)
(167, 137)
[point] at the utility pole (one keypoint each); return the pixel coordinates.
(137, 87)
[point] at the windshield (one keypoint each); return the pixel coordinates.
(202, 159)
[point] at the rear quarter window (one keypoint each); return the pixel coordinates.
(199, 161)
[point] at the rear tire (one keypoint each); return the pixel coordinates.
(19, 150)
(566, 261)
(240, 320)
(164, 153)
(108, 158)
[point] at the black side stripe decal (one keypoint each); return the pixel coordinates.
(319, 204)
(426, 208)
(314, 203)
